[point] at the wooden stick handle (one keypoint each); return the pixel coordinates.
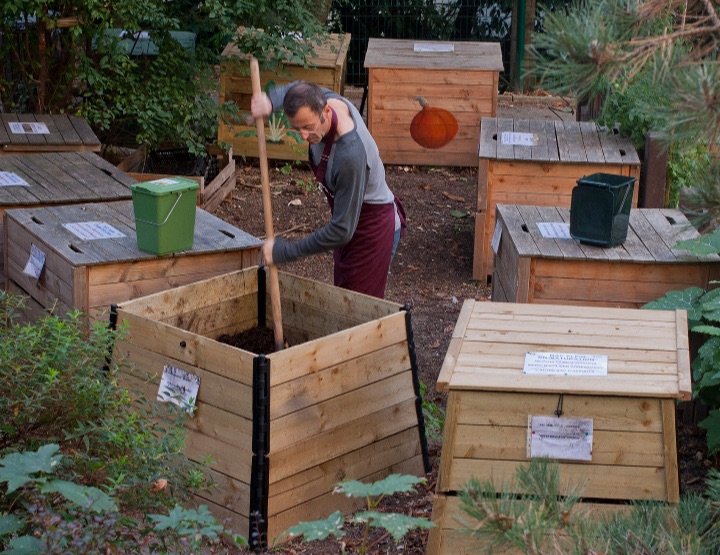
(267, 211)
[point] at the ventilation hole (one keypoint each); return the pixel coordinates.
(524, 227)
(231, 235)
(495, 137)
(107, 172)
(34, 219)
(74, 248)
(622, 152)
(670, 219)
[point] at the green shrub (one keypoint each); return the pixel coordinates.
(60, 388)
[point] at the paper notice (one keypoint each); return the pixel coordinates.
(35, 263)
(87, 231)
(28, 128)
(179, 387)
(560, 438)
(519, 139)
(565, 364)
(9, 179)
(433, 47)
(554, 230)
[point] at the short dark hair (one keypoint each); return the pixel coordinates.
(302, 94)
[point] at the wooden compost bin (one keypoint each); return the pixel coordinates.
(542, 174)
(326, 70)
(213, 189)
(56, 179)
(91, 274)
(46, 133)
(459, 77)
(530, 268)
(494, 394)
(342, 402)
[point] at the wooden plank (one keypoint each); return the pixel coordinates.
(672, 476)
(452, 414)
(545, 150)
(504, 125)
(82, 128)
(482, 188)
(572, 136)
(514, 224)
(522, 152)
(488, 138)
(593, 148)
(601, 482)
(649, 237)
(35, 141)
(14, 138)
(328, 383)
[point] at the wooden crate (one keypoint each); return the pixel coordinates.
(210, 193)
(46, 133)
(59, 178)
(327, 70)
(492, 396)
(463, 81)
(543, 174)
(530, 268)
(341, 402)
(93, 274)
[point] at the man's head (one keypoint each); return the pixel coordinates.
(307, 110)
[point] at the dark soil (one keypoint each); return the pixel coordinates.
(256, 340)
(432, 273)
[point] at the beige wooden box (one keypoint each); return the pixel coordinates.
(530, 268)
(341, 402)
(56, 179)
(92, 274)
(211, 193)
(543, 174)
(491, 399)
(463, 81)
(326, 70)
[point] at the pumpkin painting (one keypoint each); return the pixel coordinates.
(432, 127)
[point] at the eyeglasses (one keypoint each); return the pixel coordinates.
(311, 129)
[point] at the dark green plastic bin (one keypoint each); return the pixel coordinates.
(165, 214)
(600, 209)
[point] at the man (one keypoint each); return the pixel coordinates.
(366, 218)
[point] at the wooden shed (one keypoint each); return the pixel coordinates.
(593, 388)
(531, 267)
(327, 70)
(459, 78)
(282, 428)
(538, 162)
(91, 257)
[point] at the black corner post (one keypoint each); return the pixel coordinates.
(112, 326)
(262, 298)
(259, 478)
(416, 387)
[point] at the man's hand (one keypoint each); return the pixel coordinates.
(260, 107)
(266, 249)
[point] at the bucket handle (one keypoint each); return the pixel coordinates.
(622, 203)
(168, 215)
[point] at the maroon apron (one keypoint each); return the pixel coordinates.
(363, 263)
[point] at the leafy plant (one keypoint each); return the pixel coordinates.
(397, 525)
(703, 312)
(433, 415)
(547, 520)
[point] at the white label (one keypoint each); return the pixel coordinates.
(520, 139)
(9, 179)
(554, 230)
(497, 235)
(433, 47)
(179, 387)
(565, 364)
(87, 231)
(164, 181)
(560, 438)
(28, 128)
(35, 263)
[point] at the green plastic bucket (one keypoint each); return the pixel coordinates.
(600, 209)
(165, 214)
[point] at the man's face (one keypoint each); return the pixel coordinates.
(312, 128)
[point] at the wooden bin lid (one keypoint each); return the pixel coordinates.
(647, 350)
(465, 56)
(554, 141)
(46, 133)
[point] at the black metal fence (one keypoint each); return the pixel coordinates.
(457, 20)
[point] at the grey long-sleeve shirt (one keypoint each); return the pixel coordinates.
(354, 175)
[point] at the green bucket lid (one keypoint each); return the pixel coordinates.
(165, 185)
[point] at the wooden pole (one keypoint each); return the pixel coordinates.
(267, 212)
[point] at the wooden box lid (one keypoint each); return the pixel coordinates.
(647, 350)
(553, 141)
(443, 55)
(46, 133)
